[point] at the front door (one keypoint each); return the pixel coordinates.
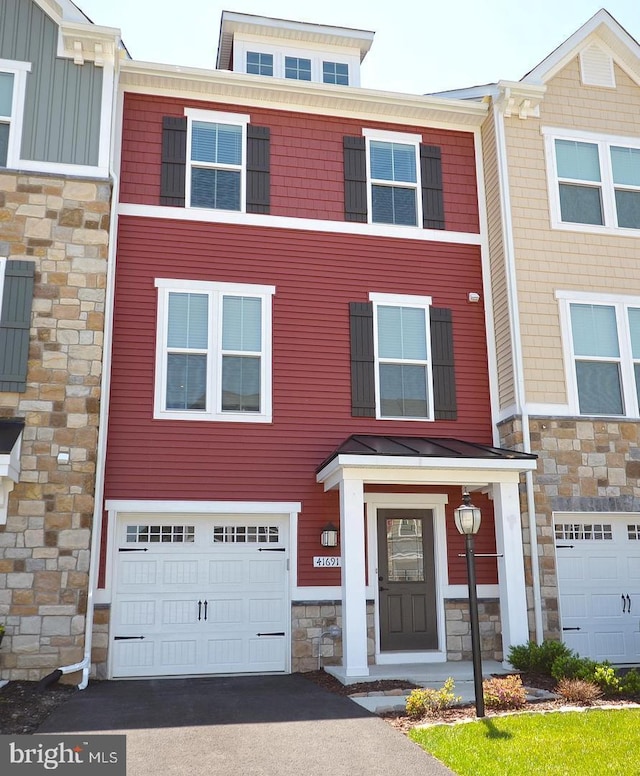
(406, 579)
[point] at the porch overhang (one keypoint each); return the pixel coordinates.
(10, 445)
(421, 461)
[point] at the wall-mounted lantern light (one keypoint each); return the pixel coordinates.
(329, 536)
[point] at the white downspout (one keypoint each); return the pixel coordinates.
(96, 533)
(516, 345)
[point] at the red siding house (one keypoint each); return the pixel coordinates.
(300, 382)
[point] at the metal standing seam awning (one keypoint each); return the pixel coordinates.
(10, 444)
(422, 454)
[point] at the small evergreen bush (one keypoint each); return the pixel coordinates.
(579, 691)
(607, 679)
(502, 693)
(427, 701)
(538, 658)
(630, 683)
(573, 667)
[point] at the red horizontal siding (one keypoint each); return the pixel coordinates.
(306, 159)
(316, 275)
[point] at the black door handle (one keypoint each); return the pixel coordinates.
(206, 604)
(381, 589)
(628, 604)
(624, 604)
(199, 610)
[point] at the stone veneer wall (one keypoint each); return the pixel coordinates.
(458, 625)
(585, 465)
(62, 225)
(309, 619)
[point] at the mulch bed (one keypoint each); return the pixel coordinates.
(24, 706)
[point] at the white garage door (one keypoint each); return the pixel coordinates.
(599, 584)
(197, 594)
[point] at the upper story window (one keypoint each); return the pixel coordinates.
(12, 91)
(595, 182)
(259, 63)
(297, 68)
(603, 354)
(403, 362)
(335, 73)
(216, 160)
(213, 351)
(393, 161)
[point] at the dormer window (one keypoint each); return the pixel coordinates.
(297, 68)
(259, 63)
(296, 51)
(335, 73)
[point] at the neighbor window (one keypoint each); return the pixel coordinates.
(13, 80)
(604, 342)
(297, 68)
(403, 365)
(214, 344)
(393, 162)
(259, 63)
(597, 182)
(335, 73)
(215, 160)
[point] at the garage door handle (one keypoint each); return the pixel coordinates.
(628, 604)
(564, 629)
(206, 605)
(199, 610)
(279, 633)
(624, 604)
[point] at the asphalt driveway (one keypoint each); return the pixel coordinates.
(249, 726)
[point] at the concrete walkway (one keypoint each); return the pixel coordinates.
(254, 726)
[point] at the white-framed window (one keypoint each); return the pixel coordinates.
(297, 68)
(318, 64)
(393, 178)
(259, 63)
(602, 353)
(335, 73)
(213, 356)
(594, 181)
(13, 82)
(402, 349)
(216, 159)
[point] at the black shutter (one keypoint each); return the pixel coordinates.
(15, 323)
(432, 199)
(355, 179)
(363, 399)
(444, 376)
(174, 160)
(258, 183)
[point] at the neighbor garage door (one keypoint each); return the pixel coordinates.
(196, 594)
(599, 583)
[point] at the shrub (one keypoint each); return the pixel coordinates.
(428, 701)
(504, 693)
(573, 667)
(538, 658)
(579, 691)
(630, 683)
(607, 679)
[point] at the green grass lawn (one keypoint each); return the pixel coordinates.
(589, 743)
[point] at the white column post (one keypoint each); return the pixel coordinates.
(354, 596)
(513, 596)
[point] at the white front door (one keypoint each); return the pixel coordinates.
(598, 560)
(200, 594)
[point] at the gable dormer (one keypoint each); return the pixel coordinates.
(297, 51)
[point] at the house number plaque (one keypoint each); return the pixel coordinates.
(327, 561)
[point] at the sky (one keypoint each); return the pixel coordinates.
(420, 46)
